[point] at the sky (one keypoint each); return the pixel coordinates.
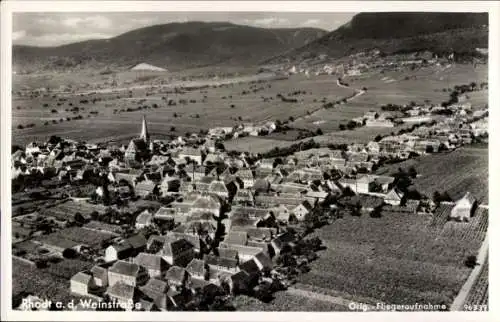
(54, 29)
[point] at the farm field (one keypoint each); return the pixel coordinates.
(459, 171)
(284, 301)
(227, 105)
(396, 259)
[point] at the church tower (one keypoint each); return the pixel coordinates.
(144, 131)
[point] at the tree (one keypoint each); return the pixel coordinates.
(341, 127)
(319, 131)
(351, 125)
(471, 261)
(378, 138)
(436, 197)
(412, 172)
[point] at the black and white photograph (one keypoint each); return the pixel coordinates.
(164, 161)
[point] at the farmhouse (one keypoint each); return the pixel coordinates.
(464, 208)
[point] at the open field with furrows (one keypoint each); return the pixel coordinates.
(284, 301)
(396, 259)
(459, 171)
(227, 105)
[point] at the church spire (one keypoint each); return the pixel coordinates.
(144, 131)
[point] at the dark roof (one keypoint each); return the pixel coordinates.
(250, 267)
(220, 261)
(264, 260)
(160, 240)
(193, 239)
(283, 239)
(124, 268)
(177, 247)
(260, 233)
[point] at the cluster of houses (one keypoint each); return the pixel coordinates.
(245, 129)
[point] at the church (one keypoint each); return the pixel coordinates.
(139, 149)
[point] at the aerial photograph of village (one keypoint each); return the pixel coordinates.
(249, 161)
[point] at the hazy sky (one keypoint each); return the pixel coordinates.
(52, 29)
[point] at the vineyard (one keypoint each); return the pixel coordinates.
(473, 231)
(284, 301)
(465, 169)
(396, 259)
(479, 293)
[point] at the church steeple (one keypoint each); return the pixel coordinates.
(144, 131)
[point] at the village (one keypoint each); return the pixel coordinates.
(186, 225)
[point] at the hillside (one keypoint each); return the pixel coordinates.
(398, 32)
(171, 46)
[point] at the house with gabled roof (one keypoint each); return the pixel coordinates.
(221, 264)
(144, 219)
(127, 273)
(81, 283)
(146, 188)
(219, 188)
(302, 210)
(156, 290)
(100, 275)
(179, 252)
(393, 197)
(244, 196)
(177, 276)
(246, 176)
(281, 241)
(236, 238)
(198, 269)
(464, 208)
(191, 153)
(123, 294)
(154, 264)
